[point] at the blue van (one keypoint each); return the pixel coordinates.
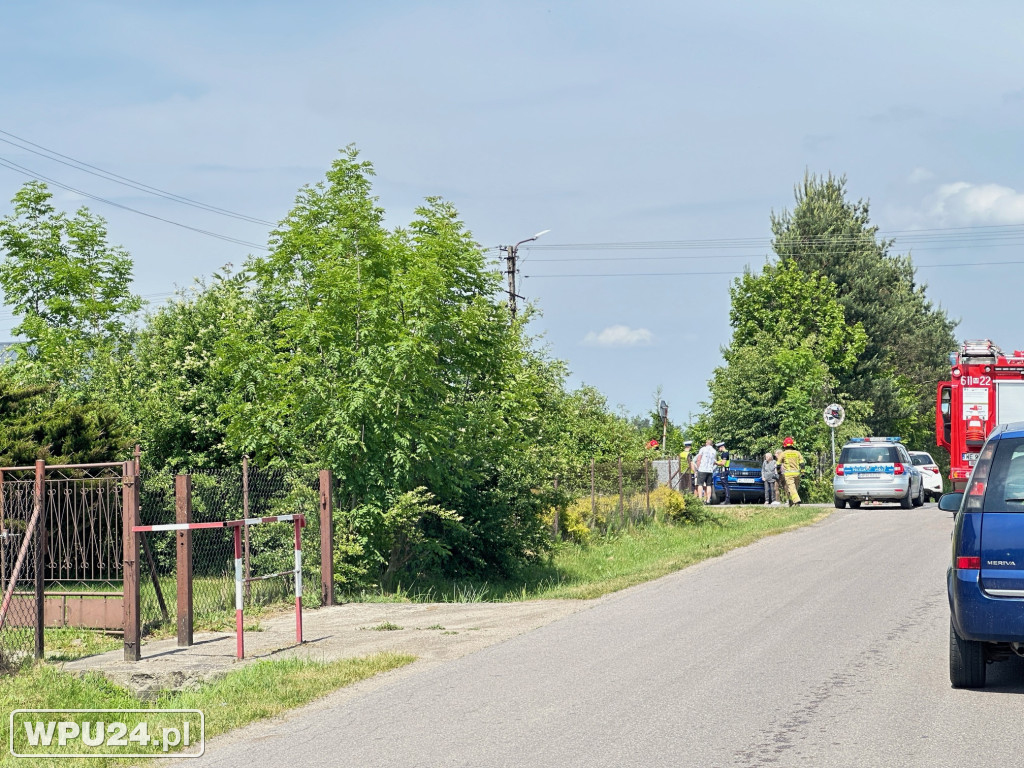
(985, 579)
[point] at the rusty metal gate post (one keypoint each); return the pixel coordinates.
(183, 514)
(130, 570)
(41, 539)
(326, 537)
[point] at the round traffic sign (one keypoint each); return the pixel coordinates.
(834, 415)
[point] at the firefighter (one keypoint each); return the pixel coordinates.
(791, 464)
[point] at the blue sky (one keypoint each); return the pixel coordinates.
(606, 123)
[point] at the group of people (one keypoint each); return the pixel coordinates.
(785, 464)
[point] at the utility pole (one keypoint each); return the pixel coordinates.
(511, 253)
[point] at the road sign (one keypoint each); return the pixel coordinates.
(834, 415)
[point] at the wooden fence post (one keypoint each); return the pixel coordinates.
(41, 535)
(326, 537)
(554, 524)
(183, 514)
(647, 484)
(130, 539)
(620, 490)
(593, 495)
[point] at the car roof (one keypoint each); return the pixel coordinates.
(919, 453)
(1012, 429)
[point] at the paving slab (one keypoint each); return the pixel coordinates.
(433, 632)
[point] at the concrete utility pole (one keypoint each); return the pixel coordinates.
(511, 253)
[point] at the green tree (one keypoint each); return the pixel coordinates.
(70, 287)
(33, 426)
(387, 356)
(178, 378)
(789, 347)
(908, 338)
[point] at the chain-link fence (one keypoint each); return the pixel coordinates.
(612, 495)
(221, 495)
(17, 570)
(70, 538)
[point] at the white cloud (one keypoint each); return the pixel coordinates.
(920, 174)
(619, 336)
(963, 203)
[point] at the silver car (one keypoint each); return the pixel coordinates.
(876, 469)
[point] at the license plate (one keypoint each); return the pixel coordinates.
(746, 480)
(971, 457)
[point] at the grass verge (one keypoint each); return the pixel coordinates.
(610, 563)
(254, 692)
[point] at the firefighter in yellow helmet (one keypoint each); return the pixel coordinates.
(791, 465)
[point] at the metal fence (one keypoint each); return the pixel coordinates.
(619, 492)
(60, 553)
(221, 495)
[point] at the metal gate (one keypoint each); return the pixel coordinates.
(61, 551)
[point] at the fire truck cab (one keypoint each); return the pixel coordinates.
(986, 388)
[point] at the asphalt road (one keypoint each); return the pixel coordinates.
(825, 646)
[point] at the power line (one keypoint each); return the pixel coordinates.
(733, 272)
(80, 165)
(969, 234)
(40, 177)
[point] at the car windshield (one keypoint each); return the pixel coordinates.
(744, 464)
(868, 454)
(920, 459)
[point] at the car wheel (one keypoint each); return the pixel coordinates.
(840, 503)
(920, 497)
(907, 502)
(966, 661)
(854, 504)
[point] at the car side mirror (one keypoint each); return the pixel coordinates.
(950, 502)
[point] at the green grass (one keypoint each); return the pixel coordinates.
(254, 692)
(66, 644)
(609, 563)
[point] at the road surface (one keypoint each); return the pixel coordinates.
(825, 646)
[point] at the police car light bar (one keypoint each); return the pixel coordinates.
(875, 440)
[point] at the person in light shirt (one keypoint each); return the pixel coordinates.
(705, 461)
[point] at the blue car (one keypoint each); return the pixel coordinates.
(985, 579)
(745, 483)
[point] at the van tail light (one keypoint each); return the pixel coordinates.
(899, 469)
(839, 469)
(968, 563)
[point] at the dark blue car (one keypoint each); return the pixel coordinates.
(986, 577)
(745, 483)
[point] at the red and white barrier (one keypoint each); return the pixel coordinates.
(299, 522)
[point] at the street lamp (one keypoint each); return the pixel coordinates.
(513, 252)
(663, 410)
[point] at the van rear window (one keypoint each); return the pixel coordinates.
(869, 454)
(1005, 490)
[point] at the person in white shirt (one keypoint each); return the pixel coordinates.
(705, 462)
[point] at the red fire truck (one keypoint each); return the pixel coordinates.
(986, 388)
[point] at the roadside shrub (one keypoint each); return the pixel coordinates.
(663, 495)
(687, 509)
(816, 490)
(572, 523)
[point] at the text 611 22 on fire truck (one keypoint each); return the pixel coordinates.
(986, 388)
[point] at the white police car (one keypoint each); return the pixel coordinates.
(876, 469)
